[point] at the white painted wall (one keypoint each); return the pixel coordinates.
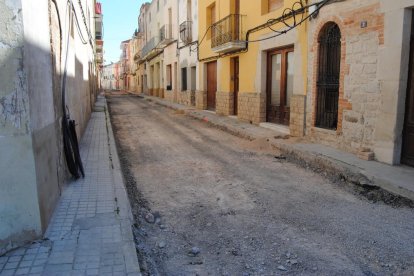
(31, 157)
(188, 58)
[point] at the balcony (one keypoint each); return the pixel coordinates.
(186, 32)
(99, 46)
(150, 49)
(166, 35)
(227, 35)
(99, 58)
(98, 26)
(137, 57)
(98, 8)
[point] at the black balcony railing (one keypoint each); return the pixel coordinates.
(228, 29)
(186, 32)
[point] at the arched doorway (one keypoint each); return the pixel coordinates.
(329, 63)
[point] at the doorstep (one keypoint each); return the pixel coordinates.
(276, 127)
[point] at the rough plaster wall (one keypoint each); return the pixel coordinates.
(19, 212)
(38, 64)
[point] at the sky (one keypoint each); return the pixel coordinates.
(120, 21)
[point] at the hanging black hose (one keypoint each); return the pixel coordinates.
(71, 148)
(70, 138)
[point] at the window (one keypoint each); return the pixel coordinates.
(169, 77)
(193, 78)
(275, 4)
(271, 5)
(329, 63)
(183, 79)
(188, 10)
(211, 19)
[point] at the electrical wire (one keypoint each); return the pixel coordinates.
(84, 22)
(83, 40)
(287, 14)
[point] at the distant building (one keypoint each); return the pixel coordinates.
(108, 78)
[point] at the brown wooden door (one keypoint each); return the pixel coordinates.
(236, 84)
(211, 85)
(279, 85)
(407, 156)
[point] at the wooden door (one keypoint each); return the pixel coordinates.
(235, 78)
(407, 156)
(211, 85)
(175, 83)
(279, 85)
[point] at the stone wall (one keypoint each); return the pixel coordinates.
(359, 91)
(185, 97)
(169, 95)
(225, 103)
(201, 99)
(297, 115)
(252, 107)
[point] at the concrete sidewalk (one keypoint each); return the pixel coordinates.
(90, 232)
(398, 180)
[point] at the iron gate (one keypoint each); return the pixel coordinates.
(328, 77)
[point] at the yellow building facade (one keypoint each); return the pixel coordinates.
(262, 80)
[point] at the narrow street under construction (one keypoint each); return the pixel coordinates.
(209, 203)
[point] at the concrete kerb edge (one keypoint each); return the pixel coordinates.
(304, 158)
(197, 115)
(125, 213)
(339, 170)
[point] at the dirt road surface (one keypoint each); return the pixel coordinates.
(209, 203)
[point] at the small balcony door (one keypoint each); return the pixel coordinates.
(236, 19)
(279, 85)
(235, 79)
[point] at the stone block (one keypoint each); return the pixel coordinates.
(366, 155)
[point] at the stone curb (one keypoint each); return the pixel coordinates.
(124, 208)
(332, 167)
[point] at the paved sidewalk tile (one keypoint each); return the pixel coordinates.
(86, 235)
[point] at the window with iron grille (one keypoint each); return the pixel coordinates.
(329, 63)
(183, 79)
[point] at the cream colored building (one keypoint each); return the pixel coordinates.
(186, 72)
(152, 51)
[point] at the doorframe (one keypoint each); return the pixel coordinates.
(233, 75)
(207, 81)
(410, 84)
(269, 72)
